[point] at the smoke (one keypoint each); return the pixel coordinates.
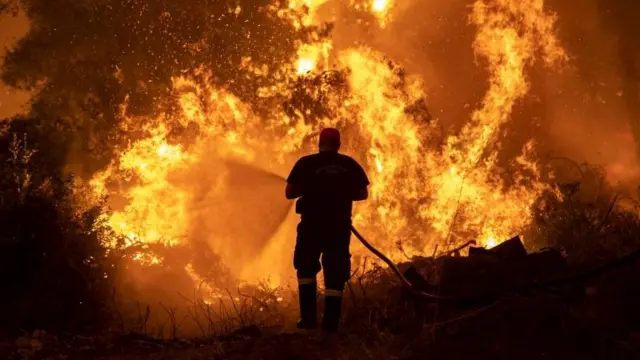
(432, 39)
(585, 112)
(588, 112)
(11, 29)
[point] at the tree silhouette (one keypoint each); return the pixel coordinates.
(85, 57)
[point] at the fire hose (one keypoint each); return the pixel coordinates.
(626, 259)
(406, 283)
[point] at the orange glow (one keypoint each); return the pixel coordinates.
(379, 5)
(381, 8)
(491, 242)
(306, 9)
(424, 194)
(313, 57)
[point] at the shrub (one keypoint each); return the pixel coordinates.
(54, 272)
(592, 222)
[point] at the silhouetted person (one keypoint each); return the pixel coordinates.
(326, 184)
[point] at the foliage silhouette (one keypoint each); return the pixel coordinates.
(54, 272)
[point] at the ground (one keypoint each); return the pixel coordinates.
(537, 325)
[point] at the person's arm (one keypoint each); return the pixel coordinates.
(362, 181)
(291, 192)
(363, 194)
(294, 181)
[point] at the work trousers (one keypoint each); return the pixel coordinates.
(324, 245)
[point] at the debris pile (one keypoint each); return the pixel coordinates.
(485, 273)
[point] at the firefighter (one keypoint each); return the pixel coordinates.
(325, 184)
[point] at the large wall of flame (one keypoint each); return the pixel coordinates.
(424, 193)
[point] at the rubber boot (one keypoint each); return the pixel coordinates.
(332, 314)
(308, 308)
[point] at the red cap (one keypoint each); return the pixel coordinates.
(330, 135)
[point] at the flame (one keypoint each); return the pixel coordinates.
(424, 191)
(210, 293)
(381, 10)
(310, 56)
(306, 10)
(380, 5)
(491, 241)
(145, 218)
(305, 13)
(510, 33)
